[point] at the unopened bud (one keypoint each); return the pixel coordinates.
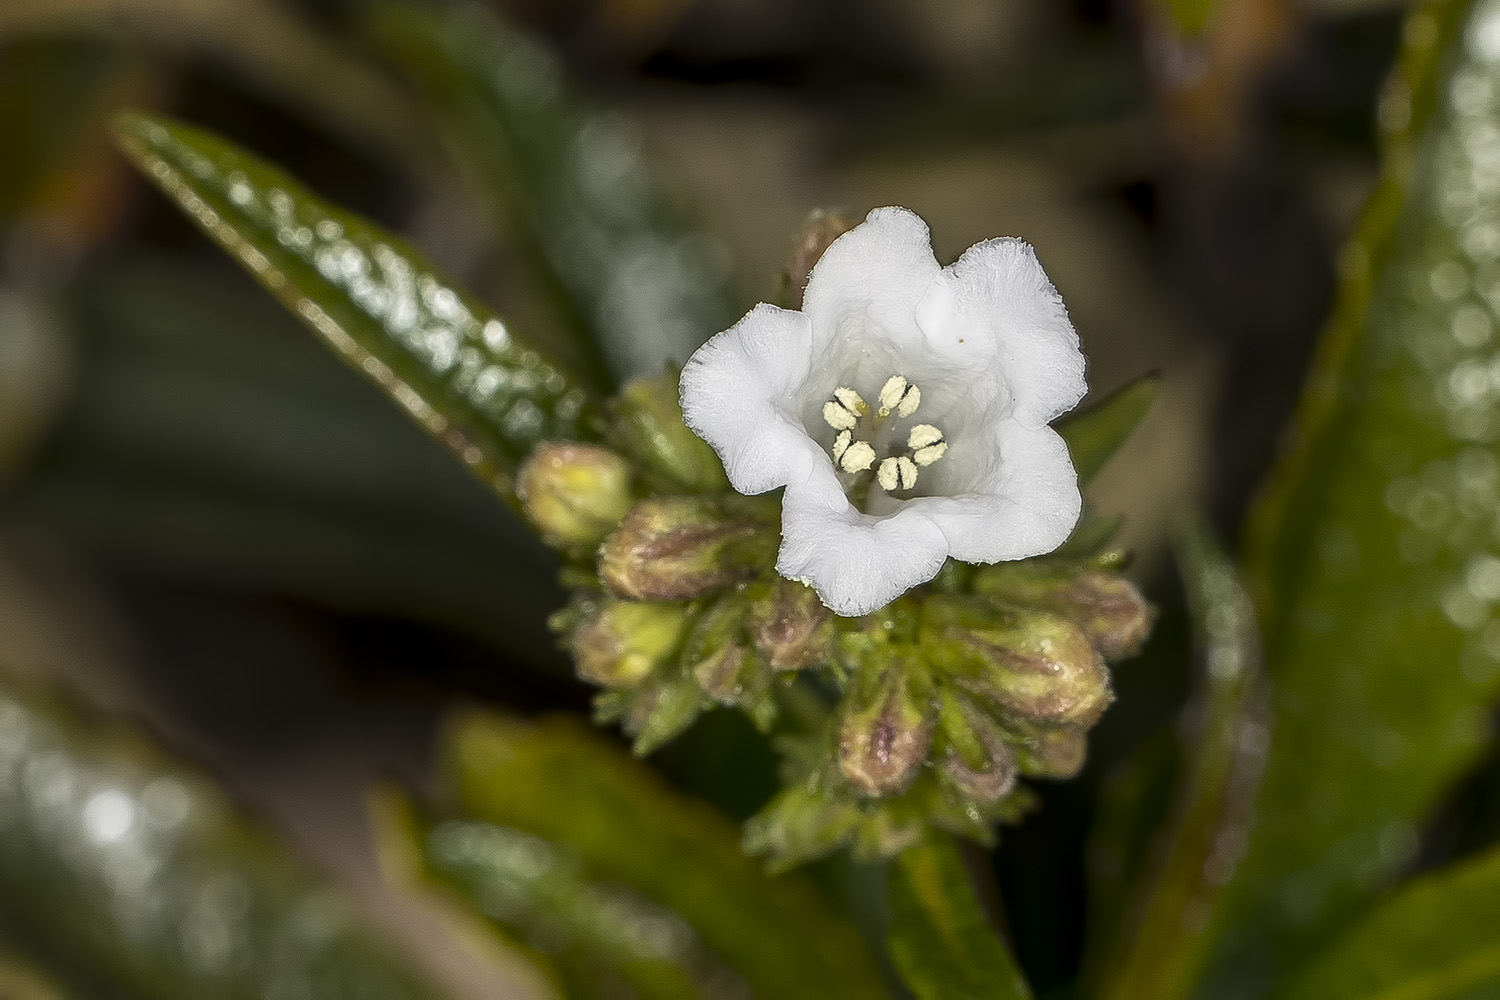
(977, 762)
(1107, 606)
(820, 229)
(884, 738)
(679, 548)
(1033, 664)
(792, 628)
(619, 643)
(649, 425)
(660, 712)
(1053, 753)
(575, 494)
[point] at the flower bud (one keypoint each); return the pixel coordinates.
(820, 229)
(977, 761)
(679, 548)
(619, 643)
(884, 734)
(1028, 663)
(1108, 607)
(648, 425)
(575, 494)
(1053, 753)
(791, 628)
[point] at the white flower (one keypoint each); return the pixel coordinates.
(905, 410)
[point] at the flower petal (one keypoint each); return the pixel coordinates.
(878, 271)
(997, 293)
(1029, 507)
(856, 563)
(738, 394)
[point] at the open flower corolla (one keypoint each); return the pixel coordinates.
(905, 409)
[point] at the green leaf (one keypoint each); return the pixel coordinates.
(1434, 939)
(376, 302)
(632, 271)
(1371, 558)
(127, 873)
(560, 781)
(1095, 434)
(940, 940)
(1162, 943)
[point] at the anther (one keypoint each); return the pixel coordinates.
(926, 443)
(857, 457)
(897, 473)
(843, 411)
(900, 396)
(841, 444)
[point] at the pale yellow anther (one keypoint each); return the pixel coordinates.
(843, 411)
(926, 443)
(899, 396)
(896, 473)
(857, 457)
(841, 444)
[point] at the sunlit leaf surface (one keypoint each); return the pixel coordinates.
(560, 782)
(1435, 939)
(132, 874)
(1374, 561)
(458, 370)
(940, 940)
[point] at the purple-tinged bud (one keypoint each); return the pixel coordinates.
(1024, 662)
(819, 230)
(618, 644)
(648, 425)
(1107, 606)
(885, 733)
(976, 760)
(1053, 753)
(575, 494)
(791, 628)
(680, 548)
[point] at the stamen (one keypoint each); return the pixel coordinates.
(843, 411)
(898, 473)
(900, 396)
(841, 444)
(857, 457)
(926, 443)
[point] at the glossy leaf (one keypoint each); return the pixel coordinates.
(598, 938)
(1096, 433)
(647, 286)
(119, 865)
(561, 782)
(940, 940)
(1434, 939)
(1163, 940)
(1373, 560)
(441, 356)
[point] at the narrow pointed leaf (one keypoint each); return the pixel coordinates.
(634, 273)
(1435, 939)
(1372, 560)
(1095, 434)
(940, 940)
(562, 782)
(1162, 943)
(121, 869)
(440, 355)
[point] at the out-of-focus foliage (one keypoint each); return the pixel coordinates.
(940, 940)
(579, 851)
(1373, 562)
(1095, 434)
(122, 874)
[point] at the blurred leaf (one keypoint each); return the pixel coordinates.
(293, 475)
(1161, 946)
(635, 275)
(598, 938)
(445, 359)
(20, 981)
(1096, 433)
(1371, 559)
(940, 940)
(560, 781)
(1434, 939)
(274, 47)
(126, 871)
